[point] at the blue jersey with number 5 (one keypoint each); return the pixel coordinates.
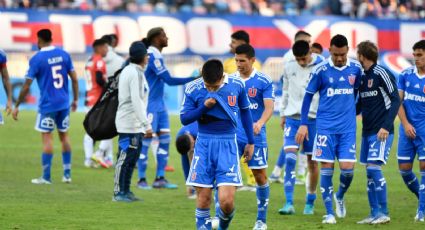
(50, 67)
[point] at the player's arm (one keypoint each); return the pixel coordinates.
(7, 87)
(246, 119)
(190, 112)
(139, 105)
(160, 70)
(285, 96)
(388, 82)
(74, 81)
(408, 128)
(22, 94)
(268, 99)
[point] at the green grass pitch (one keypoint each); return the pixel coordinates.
(86, 203)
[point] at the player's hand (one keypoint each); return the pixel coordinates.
(248, 151)
(282, 122)
(383, 134)
(8, 108)
(409, 130)
(257, 127)
(15, 114)
(74, 106)
(302, 134)
(148, 133)
(210, 102)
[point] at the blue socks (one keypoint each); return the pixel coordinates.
(422, 192)
(281, 160)
(326, 187)
(289, 179)
(225, 219)
(162, 154)
(371, 194)
(411, 181)
(380, 185)
(46, 163)
(310, 198)
(66, 161)
(345, 180)
(142, 163)
(203, 220)
(263, 193)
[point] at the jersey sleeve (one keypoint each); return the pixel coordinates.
(401, 82)
(388, 81)
(188, 103)
(268, 92)
(243, 100)
(315, 82)
(69, 64)
(157, 65)
(358, 80)
(32, 69)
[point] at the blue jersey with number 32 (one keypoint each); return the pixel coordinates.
(50, 67)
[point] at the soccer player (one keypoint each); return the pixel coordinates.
(6, 84)
(337, 81)
(411, 86)
(95, 74)
(185, 143)
(302, 159)
(50, 66)
(215, 101)
(316, 48)
(131, 121)
(238, 38)
(261, 97)
(156, 75)
(378, 103)
(296, 76)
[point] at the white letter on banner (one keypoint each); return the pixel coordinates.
(355, 32)
(125, 27)
(209, 35)
(410, 33)
(174, 28)
(72, 31)
(8, 32)
(314, 28)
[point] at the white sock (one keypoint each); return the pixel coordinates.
(106, 148)
(277, 171)
(88, 146)
(302, 164)
(154, 146)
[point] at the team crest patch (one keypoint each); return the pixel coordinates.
(370, 83)
(231, 100)
(252, 92)
(193, 176)
(318, 152)
(351, 79)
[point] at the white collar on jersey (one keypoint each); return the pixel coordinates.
(156, 53)
(415, 70)
(254, 71)
(47, 48)
(225, 81)
(347, 64)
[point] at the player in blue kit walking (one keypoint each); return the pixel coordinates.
(411, 86)
(157, 75)
(378, 104)
(336, 81)
(50, 67)
(215, 101)
(261, 97)
(6, 84)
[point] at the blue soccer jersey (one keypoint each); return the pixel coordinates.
(413, 86)
(191, 129)
(337, 111)
(50, 67)
(259, 88)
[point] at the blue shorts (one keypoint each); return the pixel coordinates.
(291, 128)
(374, 151)
(259, 157)
(215, 159)
(159, 121)
(407, 148)
(46, 122)
(327, 147)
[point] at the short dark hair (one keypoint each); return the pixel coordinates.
(241, 35)
(45, 35)
(246, 49)
(152, 34)
(212, 71)
(317, 46)
(301, 33)
(368, 50)
(419, 45)
(99, 42)
(183, 144)
(339, 41)
(107, 38)
(300, 48)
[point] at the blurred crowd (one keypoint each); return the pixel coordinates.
(404, 9)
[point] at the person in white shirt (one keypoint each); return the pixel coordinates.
(131, 120)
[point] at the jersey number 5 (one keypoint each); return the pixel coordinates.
(57, 76)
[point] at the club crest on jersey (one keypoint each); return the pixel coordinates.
(231, 100)
(193, 176)
(370, 83)
(318, 152)
(252, 92)
(351, 79)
